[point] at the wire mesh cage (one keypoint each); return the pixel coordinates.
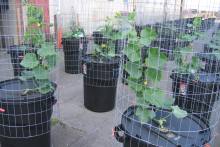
(27, 65)
(94, 48)
(169, 94)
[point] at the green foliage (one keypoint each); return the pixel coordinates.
(75, 32)
(41, 62)
(115, 28)
(185, 62)
(178, 112)
(34, 33)
(39, 66)
(30, 61)
(143, 72)
(197, 22)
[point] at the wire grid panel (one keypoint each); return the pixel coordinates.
(87, 49)
(177, 70)
(27, 54)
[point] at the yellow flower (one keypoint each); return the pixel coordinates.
(117, 14)
(145, 82)
(103, 46)
(38, 24)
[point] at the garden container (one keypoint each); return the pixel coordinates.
(73, 49)
(17, 52)
(100, 83)
(25, 119)
(196, 94)
(212, 64)
(187, 132)
(208, 49)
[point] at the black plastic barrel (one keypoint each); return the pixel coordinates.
(100, 83)
(212, 64)
(25, 120)
(17, 53)
(73, 49)
(187, 132)
(196, 94)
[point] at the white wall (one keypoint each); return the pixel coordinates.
(203, 5)
(91, 13)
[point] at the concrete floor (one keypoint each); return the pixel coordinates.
(79, 127)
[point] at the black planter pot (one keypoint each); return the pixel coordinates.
(208, 49)
(100, 83)
(212, 64)
(196, 96)
(26, 119)
(17, 53)
(186, 132)
(73, 49)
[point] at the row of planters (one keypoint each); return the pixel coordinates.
(159, 121)
(205, 25)
(26, 102)
(75, 43)
(194, 91)
(100, 67)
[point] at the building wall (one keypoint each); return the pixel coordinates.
(9, 28)
(91, 13)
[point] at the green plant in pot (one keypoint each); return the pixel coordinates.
(29, 100)
(101, 70)
(115, 30)
(145, 73)
(186, 62)
(74, 46)
(191, 80)
(154, 120)
(33, 37)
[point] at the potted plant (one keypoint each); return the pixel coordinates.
(74, 45)
(27, 102)
(115, 29)
(32, 37)
(154, 120)
(101, 68)
(194, 91)
(210, 57)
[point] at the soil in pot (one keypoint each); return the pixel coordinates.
(73, 49)
(186, 132)
(196, 94)
(26, 118)
(17, 52)
(100, 83)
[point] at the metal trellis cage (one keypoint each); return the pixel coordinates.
(169, 92)
(27, 66)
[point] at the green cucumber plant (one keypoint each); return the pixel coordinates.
(185, 62)
(75, 32)
(34, 34)
(115, 28)
(144, 74)
(38, 64)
